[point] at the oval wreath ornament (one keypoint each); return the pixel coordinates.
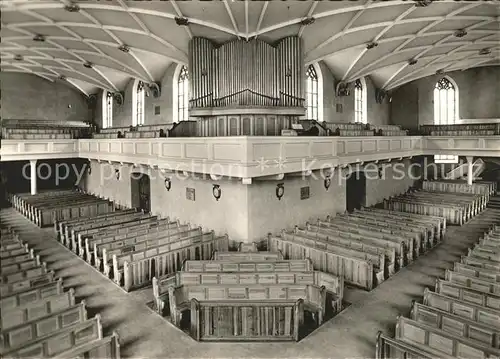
(168, 184)
(280, 190)
(216, 191)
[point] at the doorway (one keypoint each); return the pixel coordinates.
(141, 191)
(355, 191)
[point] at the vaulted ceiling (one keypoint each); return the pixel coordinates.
(120, 40)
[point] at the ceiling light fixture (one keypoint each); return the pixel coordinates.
(39, 38)
(124, 48)
(72, 8)
(19, 58)
(181, 21)
(460, 33)
(307, 21)
(88, 64)
(412, 61)
(440, 72)
(423, 3)
(485, 51)
(62, 77)
(371, 45)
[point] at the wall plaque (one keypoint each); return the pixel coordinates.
(304, 192)
(190, 194)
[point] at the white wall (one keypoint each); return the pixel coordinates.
(268, 214)
(392, 183)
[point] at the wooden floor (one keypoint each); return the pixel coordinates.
(350, 334)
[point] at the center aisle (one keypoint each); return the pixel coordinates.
(144, 334)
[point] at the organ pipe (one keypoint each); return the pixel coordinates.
(246, 73)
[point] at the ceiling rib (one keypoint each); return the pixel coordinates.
(459, 57)
(309, 14)
(231, 17)
(179, 13)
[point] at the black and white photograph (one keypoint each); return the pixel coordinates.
(282, 179)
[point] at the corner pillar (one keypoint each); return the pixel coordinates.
(33, 178)
(470, 168)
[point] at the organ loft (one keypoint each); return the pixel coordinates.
(250, 179)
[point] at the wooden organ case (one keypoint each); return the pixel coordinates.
(246, 88)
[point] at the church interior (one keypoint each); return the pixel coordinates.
(254, 179)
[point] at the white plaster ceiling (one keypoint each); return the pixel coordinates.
(339, 36)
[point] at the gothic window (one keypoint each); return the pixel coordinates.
(312, 102)
(183, 95)
(360, 101)
(138, 120)
(445, 110)
(107, 110)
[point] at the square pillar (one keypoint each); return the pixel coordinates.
(470, 167)
(33, 176)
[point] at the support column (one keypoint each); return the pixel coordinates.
(33, 176)
(470, 160)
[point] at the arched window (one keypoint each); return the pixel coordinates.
(183, 94)
(107, 109)
(445, 110)
(312, 103)
(360, 101)
(138, 119)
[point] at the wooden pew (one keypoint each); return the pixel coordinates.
(106, 244)
(60, 341)
(247, 265)
(70, 231)
(7, 261)
(139, 268)
(179, 299)
(438, 222)
(93, 246)
(473, 271)
(247, 247)
(380, 269)
(480, 262)
(439, 342)
(17, 315)
(23, 334)
(416, 224)
(479, 253)
(457, 187)
(246, 321)
(20, 271)
(60, 226)
(333, 285)
(77, 236)
(24, 284)
(126, 230)
(161, 284)
(388, 348)
(64, 227)
(453, 324)
(92, 207)
(245, 256)
(357, 244)
(31, 294)
(479, 284)
(107, 347)
(392, 226)
(14, 250)
(467, 294)
(478, 313)
(170, 237)
(401, 245)
(360, 273)
(19, 266)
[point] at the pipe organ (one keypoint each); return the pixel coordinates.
(241, 86)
